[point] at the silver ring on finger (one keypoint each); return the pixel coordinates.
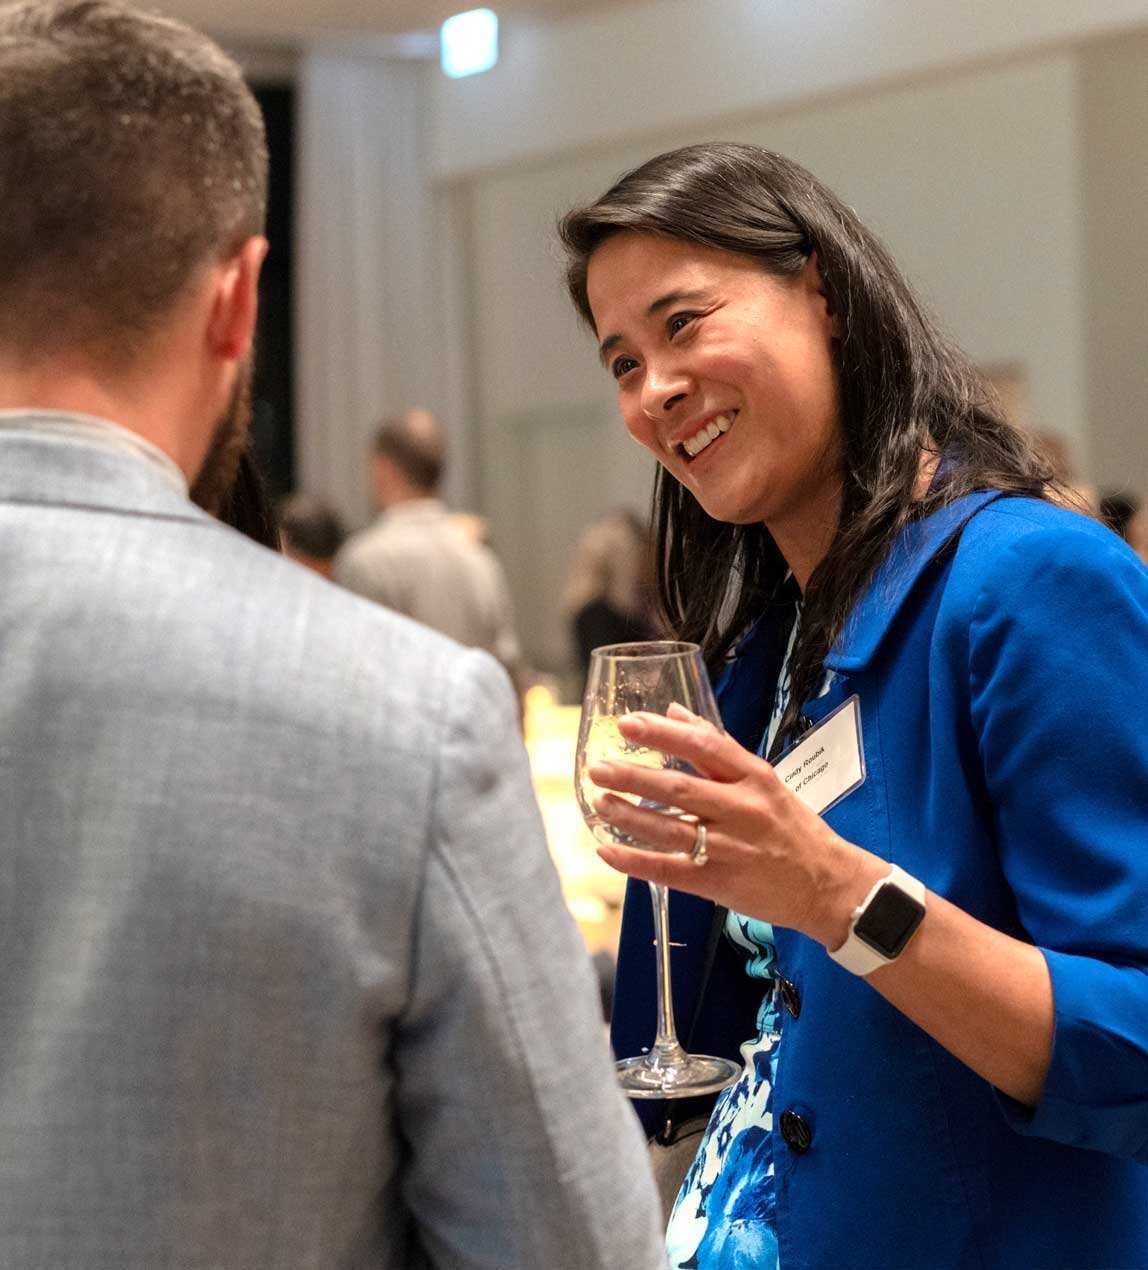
(700, 854)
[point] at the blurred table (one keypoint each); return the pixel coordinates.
(593, 891)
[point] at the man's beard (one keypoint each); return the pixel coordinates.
(216, 476)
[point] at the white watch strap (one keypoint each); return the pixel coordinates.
(856, 955)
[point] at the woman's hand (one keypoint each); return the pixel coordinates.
(983, 995)
(769, 855)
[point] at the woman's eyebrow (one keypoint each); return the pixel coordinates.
(674, 297)
(656, 306)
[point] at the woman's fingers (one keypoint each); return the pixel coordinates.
(667, 785)
(653, 829)
(712, 752)
(675, 871)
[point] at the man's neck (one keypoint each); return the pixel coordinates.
(404, 497)
(79, 390)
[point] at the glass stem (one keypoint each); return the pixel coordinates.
(666, 1047)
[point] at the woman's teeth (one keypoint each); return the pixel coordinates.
(698, 442)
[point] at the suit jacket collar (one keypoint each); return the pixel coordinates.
(65, 460)
(910, 555)
(758, 656)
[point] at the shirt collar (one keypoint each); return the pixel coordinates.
(97, 431)
(415, 509)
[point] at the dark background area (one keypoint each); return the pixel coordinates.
(273, 424)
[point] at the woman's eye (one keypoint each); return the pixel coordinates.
(675, 324)
(622, 366)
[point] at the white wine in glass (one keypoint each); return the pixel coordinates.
(623, 678)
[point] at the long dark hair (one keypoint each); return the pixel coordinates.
(905, 391)
(247, 506)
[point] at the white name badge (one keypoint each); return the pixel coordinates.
(828, 762)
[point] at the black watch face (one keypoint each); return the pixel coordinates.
(889, 920)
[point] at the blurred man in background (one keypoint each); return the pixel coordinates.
(286, 979)
(416, 559)
(311, 532)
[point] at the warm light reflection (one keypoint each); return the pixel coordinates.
(593, 891)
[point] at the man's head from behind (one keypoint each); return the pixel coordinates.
(409, 453)
(311, 531)
(133, 164)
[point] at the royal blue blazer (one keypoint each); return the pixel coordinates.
(1001, 660)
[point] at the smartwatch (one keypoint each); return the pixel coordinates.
(883, 923)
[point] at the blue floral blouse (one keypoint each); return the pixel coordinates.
(724, 1216)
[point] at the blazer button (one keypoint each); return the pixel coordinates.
(796, 1132)
(790, 997)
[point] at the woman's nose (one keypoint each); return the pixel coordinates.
(664, 387)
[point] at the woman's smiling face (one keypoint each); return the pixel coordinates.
(727, 375)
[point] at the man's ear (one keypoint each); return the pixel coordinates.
(814, 279)
(235, 305)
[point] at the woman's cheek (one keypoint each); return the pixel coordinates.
(640, 430)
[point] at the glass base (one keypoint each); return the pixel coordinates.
(681, 1075)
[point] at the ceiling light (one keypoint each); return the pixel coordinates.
(469, 42)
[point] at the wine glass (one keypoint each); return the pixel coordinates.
(623, 678)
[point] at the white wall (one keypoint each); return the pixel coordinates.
(662, 65)
(369, 336)
(1114, 88)
(1002, 150)
(974, 183)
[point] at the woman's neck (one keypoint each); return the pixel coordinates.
(805, 539)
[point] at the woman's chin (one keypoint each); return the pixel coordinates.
(728, 511)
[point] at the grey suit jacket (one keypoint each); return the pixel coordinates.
(286, 978)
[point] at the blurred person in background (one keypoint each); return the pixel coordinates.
(312, 532)
(286, 977)
(1138, 533)
(1057, 451)
(609, 593)
(940, 986)
(1125, 514)
(1118, 510)
(474, 528)
(415, 558)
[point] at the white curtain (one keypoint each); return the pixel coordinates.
(368, 342)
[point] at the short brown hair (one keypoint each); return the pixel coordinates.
(414, 443)
(311, 527)
(131, 153)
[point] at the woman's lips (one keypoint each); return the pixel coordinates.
(706, 436)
